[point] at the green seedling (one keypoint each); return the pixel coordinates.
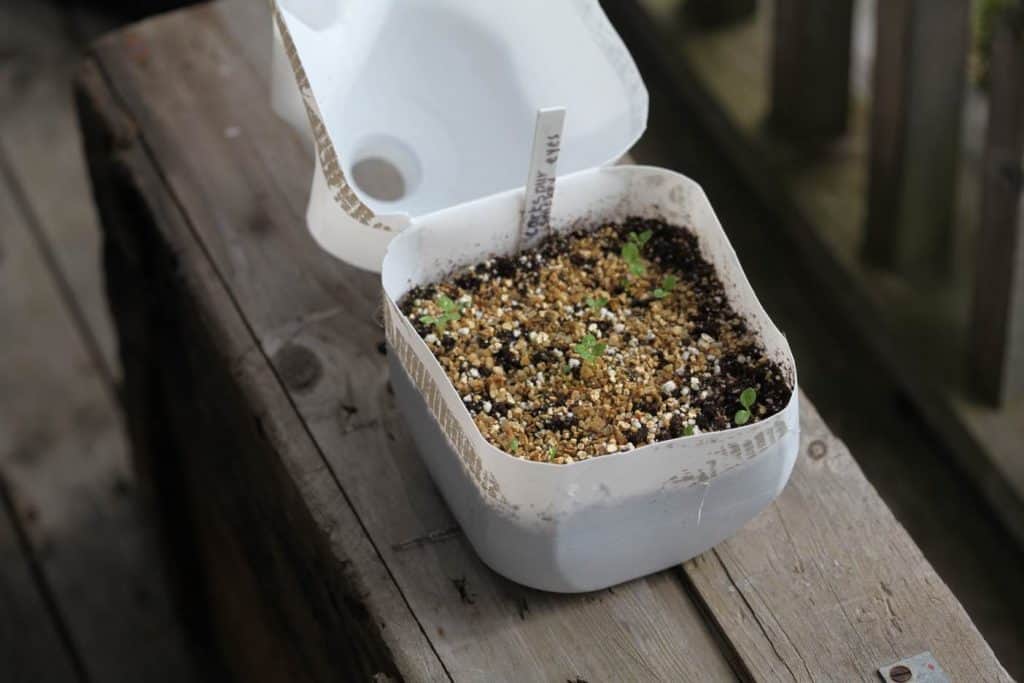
(668, 283)
(688, 430)
(513, 445)
(552, 452)
(631, 255)
(640, 239)
(450, 312)
(597, 303)
(748, 397)
(589, 348)
(631, 252)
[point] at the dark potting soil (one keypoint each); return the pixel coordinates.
(597, 342)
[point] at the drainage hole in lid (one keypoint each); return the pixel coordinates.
(379, 178)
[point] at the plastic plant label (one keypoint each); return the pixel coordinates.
(540, 183)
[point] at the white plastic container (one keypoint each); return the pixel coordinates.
(567, 528)
(443, 94)
(598, 522)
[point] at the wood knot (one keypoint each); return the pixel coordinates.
(817, 449)
(299, 367)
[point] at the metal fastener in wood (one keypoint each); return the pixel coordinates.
(921, 668)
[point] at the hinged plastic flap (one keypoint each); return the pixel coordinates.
(419, 105)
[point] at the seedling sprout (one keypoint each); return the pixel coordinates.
(451, 311)
(668, 283)
(589, 348)
(631, 252)
(748, 397)
(596, 303)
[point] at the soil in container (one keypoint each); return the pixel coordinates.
(596, 342)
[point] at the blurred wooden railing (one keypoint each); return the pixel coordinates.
(920, 72)
(997, 322)
(859, 126)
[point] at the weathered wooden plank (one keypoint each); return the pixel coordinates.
(250, 26)
(811, 69)
(960, 451)
(827, 585)
(283, 553)
(649, 628)
(31, 646)
(75, 494)
(244, 203)
(40, 140)
(997, 325)
(63, 456)
(919, 83)
(293, 302)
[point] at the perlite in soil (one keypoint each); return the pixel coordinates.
(597, 342)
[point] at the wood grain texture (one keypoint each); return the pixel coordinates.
(826, 585)
(40, 142)
(62, 450)
(31, 646)
(63, 458)
(311, 303)
(477, 621)
(997, 326)
(288, 574)
(296, 331)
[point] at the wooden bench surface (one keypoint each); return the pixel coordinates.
(258, 405)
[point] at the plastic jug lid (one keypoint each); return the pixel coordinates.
(419, 105)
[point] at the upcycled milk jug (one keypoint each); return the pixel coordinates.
(421, 115)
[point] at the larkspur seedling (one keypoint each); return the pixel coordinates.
(552, 452)
(596, 303)
(668, 283)
(589, 348)
(688, 430)
(513, 445)
(631, 252)
(451, 311)
(748, 397)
